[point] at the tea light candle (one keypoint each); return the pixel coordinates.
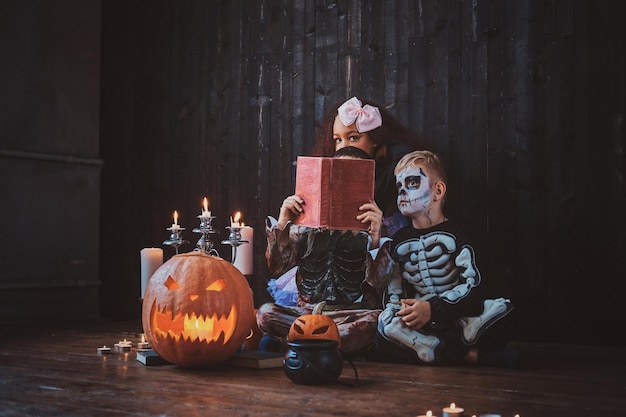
(104, 350)
(151, 260)
(453, 411)
(244, 258)
(143, 344)
(124, 345)
(428, 414)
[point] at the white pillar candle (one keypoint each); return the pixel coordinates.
(151, 259)
(244, 258)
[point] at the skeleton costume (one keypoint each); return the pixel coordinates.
(437, 265)
(331, 266)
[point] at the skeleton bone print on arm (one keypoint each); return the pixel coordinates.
(429, 265)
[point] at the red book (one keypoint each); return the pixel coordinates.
(333, 189)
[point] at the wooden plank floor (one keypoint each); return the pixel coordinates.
(55, 371)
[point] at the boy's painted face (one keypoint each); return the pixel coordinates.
(414, 191)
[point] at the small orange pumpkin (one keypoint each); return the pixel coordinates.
(314, 326)
(197, 310)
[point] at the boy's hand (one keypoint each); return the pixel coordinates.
(373, 215)
(414, 313)
(290, 209)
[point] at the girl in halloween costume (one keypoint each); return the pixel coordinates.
(329, 266)
(383, 138)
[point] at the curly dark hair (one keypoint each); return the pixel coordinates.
(391, 132)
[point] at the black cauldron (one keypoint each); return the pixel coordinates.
(313, 361)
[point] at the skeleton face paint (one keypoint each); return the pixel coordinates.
(414, 193)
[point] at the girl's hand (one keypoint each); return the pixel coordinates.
(415, 313)
(290, 209)
(373, 215)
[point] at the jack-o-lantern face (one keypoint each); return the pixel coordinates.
(314, 326)
(197, 310)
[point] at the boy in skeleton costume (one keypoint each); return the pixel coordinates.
(434, 306)
(330, 266)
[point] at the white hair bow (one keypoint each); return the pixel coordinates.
(367, 117)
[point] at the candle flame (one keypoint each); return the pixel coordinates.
(452, 406)
(237, 217)
(429, 413)
(205, 204)
(175, 217)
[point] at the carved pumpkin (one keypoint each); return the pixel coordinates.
(197, 310)
(314, 326)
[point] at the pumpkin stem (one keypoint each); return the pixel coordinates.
(319, 307)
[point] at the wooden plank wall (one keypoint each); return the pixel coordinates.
(523, 99)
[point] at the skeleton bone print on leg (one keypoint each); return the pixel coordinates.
(393, 328)
(429, 266)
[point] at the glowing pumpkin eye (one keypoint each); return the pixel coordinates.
(321, 330)
(171, 284)
(217, 285)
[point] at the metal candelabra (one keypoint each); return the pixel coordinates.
(175, 239)
(234, 240)
(205, 244)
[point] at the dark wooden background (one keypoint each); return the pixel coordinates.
(524, 100)
(194, 98)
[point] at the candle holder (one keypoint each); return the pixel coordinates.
(205, 244)
(234, 240)
(175, 239)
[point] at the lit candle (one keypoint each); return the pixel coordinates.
(244, 257)
(453, 411)
(205, 205)
(143, 344)
(235, 222)
(428, 414)
(175, 225)
(151, 260)
(104, 350)
(124, 345)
